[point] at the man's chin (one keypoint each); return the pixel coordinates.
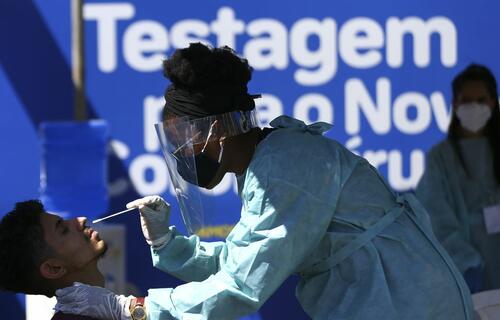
(102, 250)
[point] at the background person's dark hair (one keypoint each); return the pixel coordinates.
(475, 72)
(22, 249)
(206, 81)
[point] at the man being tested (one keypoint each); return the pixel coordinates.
(309, 207)
(40, 253)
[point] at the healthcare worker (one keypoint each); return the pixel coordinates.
(309, 207)
(460, 187)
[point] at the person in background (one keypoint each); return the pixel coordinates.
(309, 207)
(461, 184)
(40, 253)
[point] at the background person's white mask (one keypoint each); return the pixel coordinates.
(473, 116)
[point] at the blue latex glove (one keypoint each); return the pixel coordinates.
(475, 279)
(95, 302)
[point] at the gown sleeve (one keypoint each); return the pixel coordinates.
(188, 258)
(281, 222)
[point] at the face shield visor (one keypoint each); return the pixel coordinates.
(184, 142)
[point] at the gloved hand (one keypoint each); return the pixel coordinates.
(155, 214)
(95, 302)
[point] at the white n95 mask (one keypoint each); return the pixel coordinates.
(473, 116)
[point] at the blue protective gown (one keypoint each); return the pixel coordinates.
(455, 199)
(311, 207)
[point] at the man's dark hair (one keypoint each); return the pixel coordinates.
(22, 249)
(476, 72)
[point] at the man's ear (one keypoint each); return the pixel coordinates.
(52, 269)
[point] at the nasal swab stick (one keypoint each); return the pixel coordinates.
(113, 215)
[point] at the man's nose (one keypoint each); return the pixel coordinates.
(80, 222)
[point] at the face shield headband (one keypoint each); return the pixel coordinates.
(183, 142)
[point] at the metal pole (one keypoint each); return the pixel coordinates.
(78, 60)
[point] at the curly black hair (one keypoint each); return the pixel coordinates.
(22, 248)
(206, 81)
(199, 67)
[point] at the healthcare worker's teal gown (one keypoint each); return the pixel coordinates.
(455, 197)
(311, 207)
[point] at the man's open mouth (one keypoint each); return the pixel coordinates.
(91, 233)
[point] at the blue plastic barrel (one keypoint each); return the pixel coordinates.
(73, 173)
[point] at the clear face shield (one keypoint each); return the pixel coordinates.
(184, 142)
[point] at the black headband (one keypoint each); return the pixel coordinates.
(214, 100)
